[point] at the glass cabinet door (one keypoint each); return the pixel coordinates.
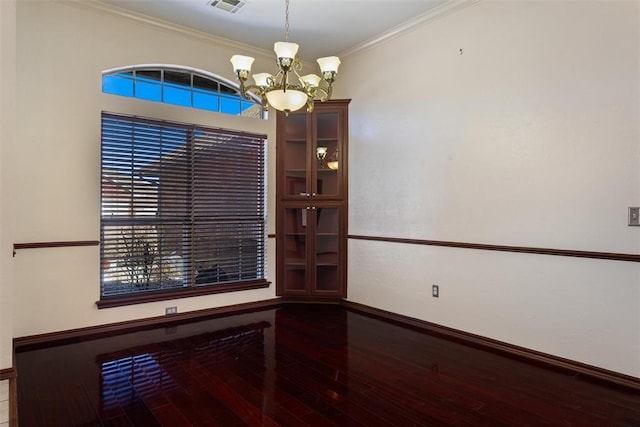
(311, 201)
(295, 156)
(295, 249)
(327, 153)
(327, 249)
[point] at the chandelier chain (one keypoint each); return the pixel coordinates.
(286, 20)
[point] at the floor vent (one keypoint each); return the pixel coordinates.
(231, 6)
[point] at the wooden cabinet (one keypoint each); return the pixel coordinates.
(311, 230)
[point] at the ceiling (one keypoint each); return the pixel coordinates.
(320, 27)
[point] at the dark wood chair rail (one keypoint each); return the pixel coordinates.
(521, 249)
(38, 245)
(7, 373)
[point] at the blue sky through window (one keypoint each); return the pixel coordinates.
(133, 85)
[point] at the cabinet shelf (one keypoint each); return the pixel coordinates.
(300, 262)
(304, 171)
(304, 140)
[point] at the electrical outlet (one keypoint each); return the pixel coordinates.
(634, 216)
(171, 310)
(435, 291)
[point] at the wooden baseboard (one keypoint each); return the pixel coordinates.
(311, 300)
(588, 372)
(56, 338)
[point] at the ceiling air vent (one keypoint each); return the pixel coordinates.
(231, 6)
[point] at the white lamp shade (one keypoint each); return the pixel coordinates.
(311, 80)
(285, 49)
(291, 100)
(261, 79)
(329, 63)
(241, 62)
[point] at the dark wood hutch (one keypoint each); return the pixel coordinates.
(311, 206)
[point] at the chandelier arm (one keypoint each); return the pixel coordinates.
(328, 92)
(311, 91)
(243, 89)
(296, 67)
(310, 104)
(249, 88)
(325, 93)
(275, 81)
(257, 91)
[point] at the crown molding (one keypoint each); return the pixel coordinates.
(442, 10)
(138, 17)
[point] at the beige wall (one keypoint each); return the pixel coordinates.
(62, 49)
(530, 137)
(7, 128)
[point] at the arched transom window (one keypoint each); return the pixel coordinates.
(183, 86)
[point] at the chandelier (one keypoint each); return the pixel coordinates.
(279, 91)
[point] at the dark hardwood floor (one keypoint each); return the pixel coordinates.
(300, 365)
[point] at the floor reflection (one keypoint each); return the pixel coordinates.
(147, 374)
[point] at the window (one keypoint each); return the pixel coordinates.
(180, 86)
(183, 207)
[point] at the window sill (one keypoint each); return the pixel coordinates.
(119, 301)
